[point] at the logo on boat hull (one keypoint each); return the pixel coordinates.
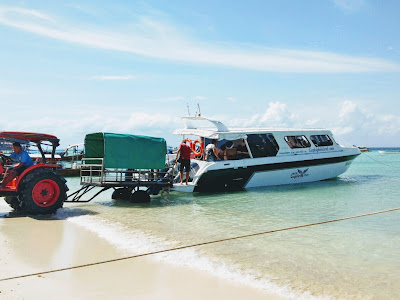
(299, 174)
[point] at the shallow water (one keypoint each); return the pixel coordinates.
(351, 259)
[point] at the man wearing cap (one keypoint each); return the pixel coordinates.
(23, 159)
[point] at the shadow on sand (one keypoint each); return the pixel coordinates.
(61, 214)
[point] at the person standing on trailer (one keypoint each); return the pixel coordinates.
(183, 156)
(24, 161)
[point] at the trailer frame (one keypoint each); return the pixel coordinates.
(96, 175)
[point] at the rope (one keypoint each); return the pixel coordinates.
(379, 161)
(199, 244)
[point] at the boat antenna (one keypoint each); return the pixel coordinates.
(187, 105)
(198, 110)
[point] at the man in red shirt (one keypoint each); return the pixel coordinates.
(184, 152)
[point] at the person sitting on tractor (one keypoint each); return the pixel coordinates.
(23, 159)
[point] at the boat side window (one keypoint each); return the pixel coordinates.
(297, 141)
(321, 140)
(262, 145)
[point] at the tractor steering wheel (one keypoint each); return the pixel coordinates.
(4, 160)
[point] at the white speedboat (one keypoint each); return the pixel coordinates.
(273, 156)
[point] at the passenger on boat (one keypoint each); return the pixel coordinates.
(212, 152)
(231, 153)
(242, 151)
(231, 150)
(222, 152)
(226, 151)
(183, 156)
(24, 161)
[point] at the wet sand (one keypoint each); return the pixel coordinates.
(32, 245)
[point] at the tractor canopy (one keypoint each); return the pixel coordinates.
(26, 137)
(126, 151)
(29, 138)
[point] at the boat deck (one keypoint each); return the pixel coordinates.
(187, 188)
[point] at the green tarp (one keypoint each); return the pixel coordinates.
(126, 151)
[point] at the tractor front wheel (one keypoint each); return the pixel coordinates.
(42, 192)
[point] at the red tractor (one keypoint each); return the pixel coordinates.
(39, 189)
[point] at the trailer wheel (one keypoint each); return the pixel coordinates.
(42, 192)
(140, 197)
(121, 194)
(14, 202)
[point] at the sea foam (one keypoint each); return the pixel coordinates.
(134, 242)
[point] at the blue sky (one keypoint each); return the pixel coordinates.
(74, 67)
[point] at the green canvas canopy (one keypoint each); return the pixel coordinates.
(126, 151)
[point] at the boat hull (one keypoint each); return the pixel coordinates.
(244, 177)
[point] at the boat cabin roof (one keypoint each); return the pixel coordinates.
(212, 129)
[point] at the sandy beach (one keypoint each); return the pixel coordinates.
(33, 245)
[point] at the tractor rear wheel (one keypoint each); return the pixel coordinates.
(14, 202)
(42, 191)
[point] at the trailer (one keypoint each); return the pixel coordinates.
(135, 166)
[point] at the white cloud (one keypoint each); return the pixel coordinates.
(342, 131)
(4, 91)
(29, 13)
(200, 98)
(170, 99)
(347, 108)
(312, 123)
(359, 123)
(349, 5)
(351, 122)
(83, 9)
(352, 118)
(275, 113)
(163, 41)
(71, 128)
(112, 77)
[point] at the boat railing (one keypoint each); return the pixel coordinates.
(73, 153)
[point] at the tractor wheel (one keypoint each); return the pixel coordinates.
(140, 197)
(42, 192)
(14, 202)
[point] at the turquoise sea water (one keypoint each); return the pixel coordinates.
(352, 259)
